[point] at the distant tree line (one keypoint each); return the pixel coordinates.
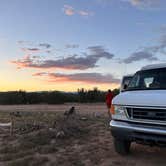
(53, 97)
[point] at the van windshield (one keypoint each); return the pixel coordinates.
(148, 80)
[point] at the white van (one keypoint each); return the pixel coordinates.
(139, 113)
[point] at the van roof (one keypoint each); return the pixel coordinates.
(128, 75)
(154, 66)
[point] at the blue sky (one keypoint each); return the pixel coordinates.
(81, 43)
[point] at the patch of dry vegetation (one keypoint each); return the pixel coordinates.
(50, 139)
(38, 134)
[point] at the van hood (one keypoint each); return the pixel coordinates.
(142, 98)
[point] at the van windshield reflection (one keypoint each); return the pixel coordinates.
(148, 80)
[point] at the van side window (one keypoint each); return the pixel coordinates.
(135, 81)
(148, 81)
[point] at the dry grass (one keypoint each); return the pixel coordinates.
(38, 134)
(49, 139)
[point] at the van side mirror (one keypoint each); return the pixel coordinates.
(125, 86)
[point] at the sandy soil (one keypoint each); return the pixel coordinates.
(99, 108)
(94, 146)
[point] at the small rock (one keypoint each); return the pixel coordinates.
(60, 134)
(83, 118)
(96, 114)
(53, 141)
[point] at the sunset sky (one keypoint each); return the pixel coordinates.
(69, 44)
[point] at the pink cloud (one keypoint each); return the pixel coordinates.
(96, 78)
(70, 11)
(143, 3)
(74, 62)
(30, 50)
(85, 13)
(25, 62)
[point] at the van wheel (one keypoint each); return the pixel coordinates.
(122, 146)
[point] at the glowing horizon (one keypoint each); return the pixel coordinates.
(63, 46)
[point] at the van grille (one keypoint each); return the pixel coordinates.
(147, 114)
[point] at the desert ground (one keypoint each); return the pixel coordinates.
(43, 135)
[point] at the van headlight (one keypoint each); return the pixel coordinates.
(118, 112)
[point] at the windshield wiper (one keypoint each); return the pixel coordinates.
(133, 89)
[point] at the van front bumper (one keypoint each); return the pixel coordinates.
(140, 133)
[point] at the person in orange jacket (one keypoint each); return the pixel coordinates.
(109, 97)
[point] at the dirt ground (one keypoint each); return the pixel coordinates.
(43, 135)
(88, 108)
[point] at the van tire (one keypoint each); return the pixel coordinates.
(122, 146)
